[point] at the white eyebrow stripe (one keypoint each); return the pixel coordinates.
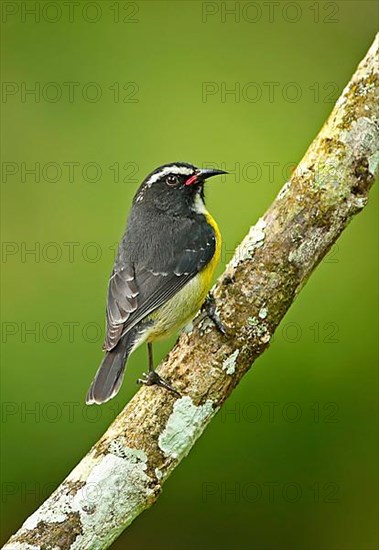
(181, 170)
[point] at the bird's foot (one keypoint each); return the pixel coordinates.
(152, 378)
(209, 308)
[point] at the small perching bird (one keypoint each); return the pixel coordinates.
(162, 273)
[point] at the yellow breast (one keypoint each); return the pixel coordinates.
(208, 271)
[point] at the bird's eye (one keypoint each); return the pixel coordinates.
(172, 180)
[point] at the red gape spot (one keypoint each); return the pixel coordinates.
(192, 179)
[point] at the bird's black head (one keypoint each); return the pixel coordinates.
(175, 187)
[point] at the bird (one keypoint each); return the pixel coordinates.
(162, 273)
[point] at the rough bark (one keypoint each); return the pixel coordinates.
(124, 472)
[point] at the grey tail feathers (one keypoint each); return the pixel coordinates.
(110, 374)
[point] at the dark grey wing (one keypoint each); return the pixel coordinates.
(155, 275)
(122, 301)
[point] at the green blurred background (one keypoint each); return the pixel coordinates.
(290, 462)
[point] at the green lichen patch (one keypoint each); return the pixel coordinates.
(253, 240)
(359, 100)
(185, 424)
(229, 364)
(259, 329)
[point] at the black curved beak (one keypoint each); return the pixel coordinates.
(206, 173)
(203, 174)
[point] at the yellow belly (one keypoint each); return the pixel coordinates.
(182, 307)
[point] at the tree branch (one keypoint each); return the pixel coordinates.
(124, 472)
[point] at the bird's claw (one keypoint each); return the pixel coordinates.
(152, 378)
(209, 307)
